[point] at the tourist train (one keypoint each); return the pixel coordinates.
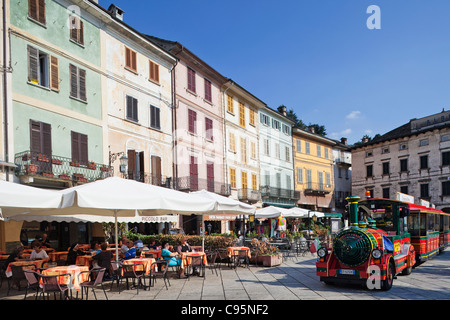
(385, 237)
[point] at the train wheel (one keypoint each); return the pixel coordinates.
(390, 273)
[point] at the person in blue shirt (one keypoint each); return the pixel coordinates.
(173, 258)
(131, 252)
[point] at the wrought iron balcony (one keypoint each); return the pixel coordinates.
(156, 180)
(196, 184)
(59, 168)
(274, 192)
(249, 195)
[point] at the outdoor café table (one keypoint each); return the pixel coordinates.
(37, 263)
(87, 260)
(72, 281)
(4, 256)
(158, 252)
(197, 248)
(231, 251)
(146, 261)
(59, 255)
(186, 258)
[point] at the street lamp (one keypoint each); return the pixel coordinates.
(123, 160)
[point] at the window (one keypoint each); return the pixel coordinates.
(41, 138)
(423, 143)
(155, 120)
(42, 71)
(384, 150)
(309, 178)
(446, 158)
(386, 193)
(445, 138)
(369, 171)
(253, 150)
(265, 119)
(326, 153)
(424, 162)
(320, 178)
(244, 180)
(77, 82)
(286, 129)
(403, 146)
(209, 129)
(424, 190)
(328, 179)
(243, 151)
(36, 10)
(76, 30)
(191, 79)
(254, 182)
(241, 114)
(230, 107)
(403, 165)
(192, 116)
(130, 59)
(193, 173)
(299, 146)
(369, 153)
(266, 147)
(277, 150)
(79, 147)
(299, 175)
(287, 151)
(276, 124)
(208, 95)
(319, 151)
(210, 175)
(404, 189)
(153, 71)
(233, 178)
(132, 108)
(446, 188)
(307, 147)
(232, 142)
(252, 117)
(385, 167)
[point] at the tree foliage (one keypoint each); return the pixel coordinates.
(298, 123)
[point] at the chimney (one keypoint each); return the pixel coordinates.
(116, 12)
(365, 140)
(344, 141)
(311, 129)
(282, 110)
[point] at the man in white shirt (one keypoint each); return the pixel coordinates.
(38, 253)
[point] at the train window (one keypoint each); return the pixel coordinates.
(437, 222)
(430, 222)
(446, 222)
(414, 225)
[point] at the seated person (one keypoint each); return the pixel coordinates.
(152, 244)
(73, 253)
(103, 260)
(37, 240)
(45, 242)
(184, 247)
(95, 248)
(131, 253)
(16, 255)
(38, 253)
(172, 258)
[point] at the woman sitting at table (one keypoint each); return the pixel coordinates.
(184, 247)
(173, 258)
(95, 248)
(38, 253)
(103, 260)
(73, 253)
(16, 255)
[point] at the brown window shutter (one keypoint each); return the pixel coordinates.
(81, 32)
(133, 61)
(154, 71)
(54, 73)
(73, 28)
(82, 84)
(73, 81)
(156, 169)
(83, 149)
(41, 15)
(46, 133)
(33, 64)
(127, 57)
(75, 137)
(35, 136)
(32, 9)
(131, 164)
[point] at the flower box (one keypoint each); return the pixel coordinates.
(31, 168)
(92, 165)
(74, 164)
(268, 260)
(43, 158)
(104, 168)
(64, 176)
(56, 161)
(47, 174)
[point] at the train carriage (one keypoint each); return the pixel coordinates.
(385, 237)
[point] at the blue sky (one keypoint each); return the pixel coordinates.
(318, 57)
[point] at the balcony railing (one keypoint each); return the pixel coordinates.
(274, 192)
(317, 188)
(60, 168)
(156, 180)
(196, 184)
(249, 195)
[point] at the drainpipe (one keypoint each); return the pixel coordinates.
(224, 102)
(174, 122)
(5, 90)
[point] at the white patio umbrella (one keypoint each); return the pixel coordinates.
(225, 205)
(17, 199)
(119, 197)
(272, 212)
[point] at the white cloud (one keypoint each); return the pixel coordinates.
(353, 115)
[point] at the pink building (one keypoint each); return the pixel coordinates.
(198, 125)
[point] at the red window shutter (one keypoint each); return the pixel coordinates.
(35, 136)
(191, 79)
(209, 129)
(208, 95)
(192, 121)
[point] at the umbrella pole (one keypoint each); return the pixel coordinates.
(116, 235)
(203, 233)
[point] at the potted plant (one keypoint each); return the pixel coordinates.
(266, 254)
(42, 158)
(47, 174)
(74, 163)
(57, 161)
(104, 168)
(64, 176)
(31, 168)
(91, 165)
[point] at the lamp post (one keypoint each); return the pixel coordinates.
(123, 160)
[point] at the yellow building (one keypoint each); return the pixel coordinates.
(313, 163)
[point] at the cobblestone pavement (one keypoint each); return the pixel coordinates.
(295, 279)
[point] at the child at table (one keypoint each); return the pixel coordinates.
(172, 258)
(38, 253)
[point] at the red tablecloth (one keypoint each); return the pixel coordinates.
(158, 252)
(234, 250)
(35, 263)
(186, 258)
(146, 261)
(72, 280)
(58, 255)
